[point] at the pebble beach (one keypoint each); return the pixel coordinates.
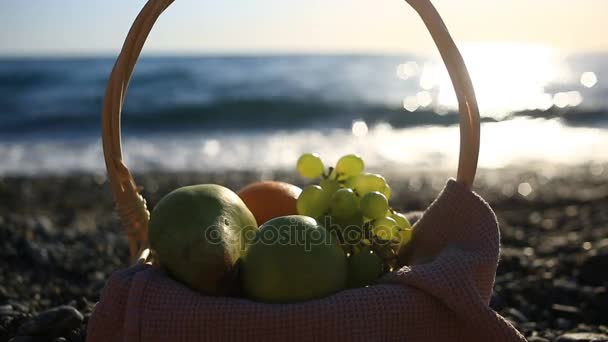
(61, 240)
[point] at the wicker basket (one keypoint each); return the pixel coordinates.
(131, 206)
(443, 295)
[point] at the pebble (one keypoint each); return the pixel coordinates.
(589, 270)
(582, 337)
(566, 310)
(3, 293)
(7, 310)
(44, 226)
(29, 339)
(537, 339)
(517, 315)
(19, 307)
(3, 334)
(54, 322)
(38, 254)
(563, 324)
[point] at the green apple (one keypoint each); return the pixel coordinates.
(293, 259)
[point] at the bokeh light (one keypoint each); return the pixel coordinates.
(407, 70)
(211, 148)
(589, 79)
(567, 99)
(524, 189)
(359, 128)
(424, 98)
(410, 103)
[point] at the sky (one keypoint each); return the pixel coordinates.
(94, 27)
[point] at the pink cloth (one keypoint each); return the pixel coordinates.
(443, 296)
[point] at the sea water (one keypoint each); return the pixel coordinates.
(260, 112)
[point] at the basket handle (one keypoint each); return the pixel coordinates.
(131, 206)
(465, 93)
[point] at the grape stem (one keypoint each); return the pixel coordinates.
(330, 173)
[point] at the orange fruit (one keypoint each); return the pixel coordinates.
(270, 199)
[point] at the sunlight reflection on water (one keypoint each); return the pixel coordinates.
(507, 78)
(508, 143)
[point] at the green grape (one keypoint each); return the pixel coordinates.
(366, 182)
(344, 203)
(374, 205)
(353, 220)
(326, 221)
(330, 186)
(331, 222)
(313, 201)
(364, 267)
(385, 228)
(386, 191)
(310, 166)
(350, 182)
(349, 166)
(402, 221)
(351, 228)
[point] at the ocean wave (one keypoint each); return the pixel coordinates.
(59, 98)
(240, 114)
(578, 117)
(271, 114)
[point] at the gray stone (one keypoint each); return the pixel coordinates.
(19, 307)
(7, 310)
(517, 315)
(54, 322)
(44, 226)
(582, 337)
(537, 339)
(563, 324)
(3, 334)
(592, 270)
(37, 253)
(29, 339)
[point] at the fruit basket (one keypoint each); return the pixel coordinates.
(442, 294)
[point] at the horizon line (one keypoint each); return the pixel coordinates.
(204, 53)
(241, 53)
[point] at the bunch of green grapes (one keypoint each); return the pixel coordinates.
(354, 206)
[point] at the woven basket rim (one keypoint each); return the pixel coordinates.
(131, 206)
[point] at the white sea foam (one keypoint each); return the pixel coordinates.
(516, 142)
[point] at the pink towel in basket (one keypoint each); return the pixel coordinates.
(442, 296)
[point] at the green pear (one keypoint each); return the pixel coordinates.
(199, 233)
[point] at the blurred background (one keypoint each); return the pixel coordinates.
(253, 85)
